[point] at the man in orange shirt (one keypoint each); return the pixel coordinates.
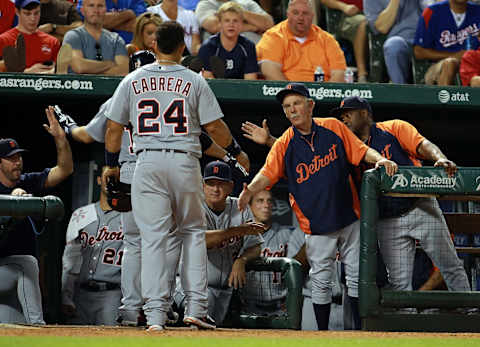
(41, 49)
(294, 48)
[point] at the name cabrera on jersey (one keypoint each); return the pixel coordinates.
(220, 259)
(101, 247)
(98, 125)
(279, 241)
(166, 105)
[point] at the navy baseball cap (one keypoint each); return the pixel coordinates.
(9, 147)
(25, 3)
(292, 88)
(351, 103)
(217, 170)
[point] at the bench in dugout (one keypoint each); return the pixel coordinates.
(382, 309)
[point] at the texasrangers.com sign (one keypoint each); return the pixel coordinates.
(432, 180)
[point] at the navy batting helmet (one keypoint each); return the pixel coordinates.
(140, 58)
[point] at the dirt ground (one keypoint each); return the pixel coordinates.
(62, 330)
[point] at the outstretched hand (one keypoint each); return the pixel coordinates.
(255, 133)
(53, 126)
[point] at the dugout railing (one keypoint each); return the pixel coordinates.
(292, 276)
(379, 308)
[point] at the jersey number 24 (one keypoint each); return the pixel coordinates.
(151, 118)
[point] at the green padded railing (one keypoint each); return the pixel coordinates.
(292, 276)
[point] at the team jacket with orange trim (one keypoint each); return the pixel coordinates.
(396, 140)
(317, 169)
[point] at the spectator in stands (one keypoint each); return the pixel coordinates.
(264, 293)
(353, 27)
(443, 35)
(122, 16)
(25, 48)
(95, 49)
(170, 10)
(237, 53)
(188, 4)
(470, 68)
(144, 36)
(397, 19)
(256, 19)
(7, 15)
(293, 49)
(57, 17)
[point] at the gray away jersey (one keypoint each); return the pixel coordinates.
(280, 241)
(166, 105)
(220, 259)
(98, 125)
(97, 252)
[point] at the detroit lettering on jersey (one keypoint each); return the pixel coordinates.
(282, 252)
(102, 235)
(161, 84)
(318, 162)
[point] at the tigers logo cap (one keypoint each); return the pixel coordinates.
(293, 88)
(9, 147)
(217, 170)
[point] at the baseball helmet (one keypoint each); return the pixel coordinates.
(140, 58)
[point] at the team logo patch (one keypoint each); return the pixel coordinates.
(342, 103)
(289, 86)
(45, 49)
(215, 169)
(12, 144)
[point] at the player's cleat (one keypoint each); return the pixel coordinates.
(201, 323)
(139, 321)
(172, 317)
(155, 328)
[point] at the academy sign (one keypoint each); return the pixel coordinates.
(415, 181)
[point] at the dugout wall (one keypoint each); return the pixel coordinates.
(379, 307)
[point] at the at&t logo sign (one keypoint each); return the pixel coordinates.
(445, 96)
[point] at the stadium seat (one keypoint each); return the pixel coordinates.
(378, 70)
(332, 20)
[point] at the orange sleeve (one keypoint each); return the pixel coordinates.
(354, 147)
(270, 47)
(407, 135)
(335, 56)
(274, 167)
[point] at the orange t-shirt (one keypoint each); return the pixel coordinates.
(299, 60)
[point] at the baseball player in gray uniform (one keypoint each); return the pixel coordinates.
(166, 104)
(233, 238)
(264, 292)
(92, 262)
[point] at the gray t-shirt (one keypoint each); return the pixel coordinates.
(166, 105)
(406, 21)
(110, 44)
(220, 259)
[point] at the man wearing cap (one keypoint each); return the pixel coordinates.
(18, 265)
(33, 51)
(232, 237)
(404, 220)
(315, 155)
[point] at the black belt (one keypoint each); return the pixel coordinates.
(94, 286)
(168, 150)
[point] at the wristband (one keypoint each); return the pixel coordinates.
(111, 159)
(233, 148)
